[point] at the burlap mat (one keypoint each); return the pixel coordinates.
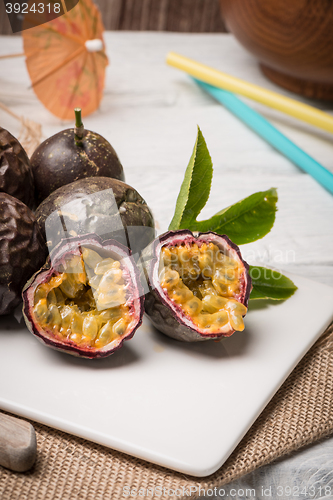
(71, 468)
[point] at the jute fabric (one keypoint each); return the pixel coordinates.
(71, 468)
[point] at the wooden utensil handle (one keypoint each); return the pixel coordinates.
(18, 445)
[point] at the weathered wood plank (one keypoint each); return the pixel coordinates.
(152, 15)
(5, 28)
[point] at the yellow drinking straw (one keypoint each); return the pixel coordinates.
(269, 98)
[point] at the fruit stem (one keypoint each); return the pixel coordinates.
(79, 128)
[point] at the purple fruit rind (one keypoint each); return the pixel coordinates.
(22, 248)
(168, 316)
(59, 161)
(71, 245)
(16, 176)
(101, 192)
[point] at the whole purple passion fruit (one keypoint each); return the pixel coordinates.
(22, 250)
(70, 155)
(199, 285)
(15, 171)
(87, 299)
(100, 205)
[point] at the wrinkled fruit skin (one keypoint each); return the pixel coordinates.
(166, 314)
(123, 216)
(70, 248)
(16, 177)
(59, 161)
(22, 250)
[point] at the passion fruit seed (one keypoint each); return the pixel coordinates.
(203, 282)
(199, 285)
(85, 302)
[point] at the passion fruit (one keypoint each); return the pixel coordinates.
(70, 155)
(16, 177)
(87, 299)
(100, 205)
(22, 250)
(199, 285)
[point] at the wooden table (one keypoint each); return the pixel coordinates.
(150, 113)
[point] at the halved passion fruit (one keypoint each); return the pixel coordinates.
(199, 285)
(87, 299)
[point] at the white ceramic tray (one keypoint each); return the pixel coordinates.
(183, 406)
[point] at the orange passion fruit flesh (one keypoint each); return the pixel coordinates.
(205, 284)
(84, 301)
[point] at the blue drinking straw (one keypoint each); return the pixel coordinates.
(275, 138)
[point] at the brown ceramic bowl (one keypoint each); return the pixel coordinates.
(293, 40)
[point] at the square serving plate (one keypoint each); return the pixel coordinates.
(184, 406)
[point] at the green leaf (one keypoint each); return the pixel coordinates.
(269, 284)
(195, 189)
(248, 220)
(244, 222)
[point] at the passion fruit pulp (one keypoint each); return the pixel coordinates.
(199, 285)
(87, 299)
